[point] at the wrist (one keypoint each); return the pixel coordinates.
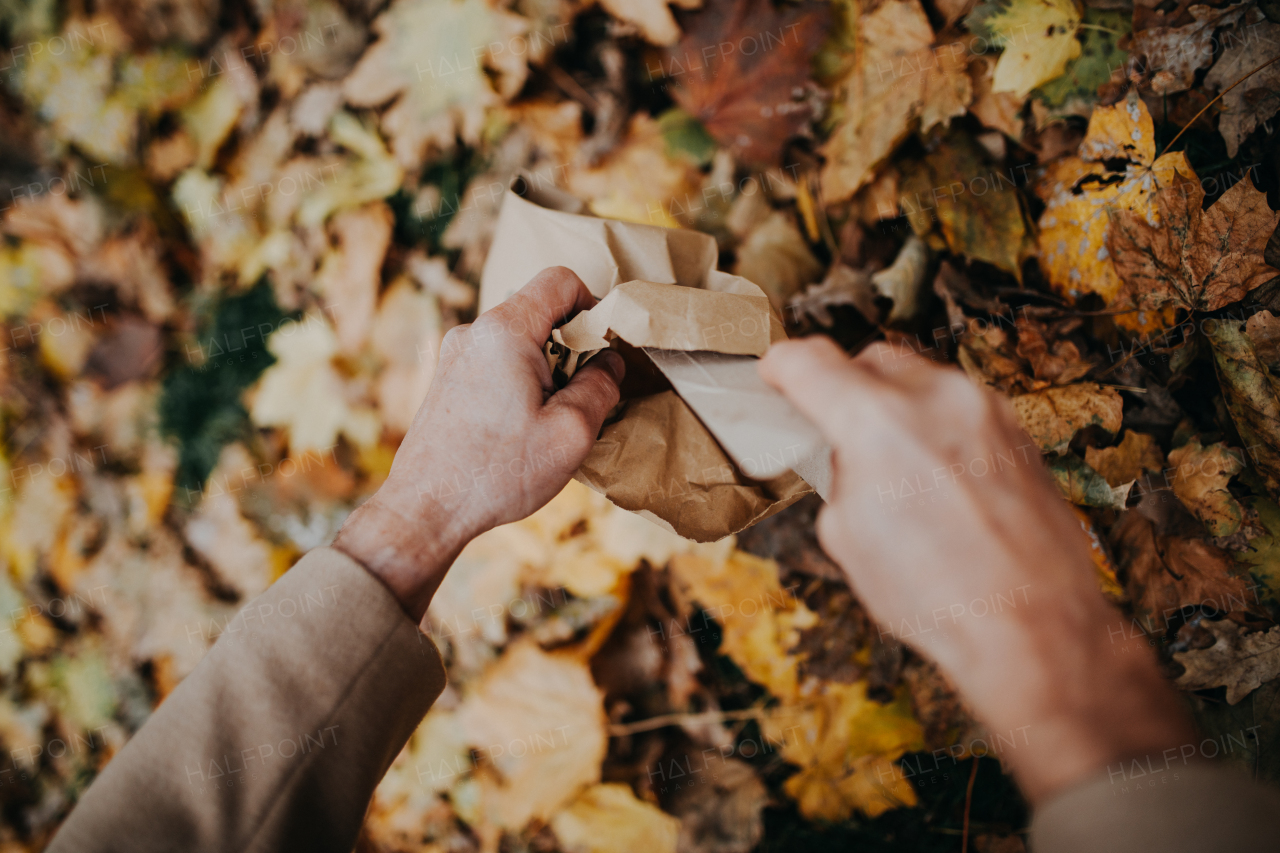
(1081, 703)
(407, 542)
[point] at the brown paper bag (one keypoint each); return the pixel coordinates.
(720, 449)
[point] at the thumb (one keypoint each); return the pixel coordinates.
(591, 393)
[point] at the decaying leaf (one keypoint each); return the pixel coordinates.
(1164, 573)
(1194, 259)
(1251, 394)
(776, 257)
(1257, 99)
(1082, 196)
(761, 621)
(885, 90)
(1053, 416)
(722, 815)
(1176, 53)
(1083, 486)
(747, 99)
(1200, 482)
(979, 213)
(1136, 455)
(1240, 661)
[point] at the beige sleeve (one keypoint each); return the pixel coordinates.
(1192, 807)
(277, 739)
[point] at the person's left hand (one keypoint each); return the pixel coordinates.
(492, 443)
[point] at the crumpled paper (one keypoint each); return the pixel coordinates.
(701, 446)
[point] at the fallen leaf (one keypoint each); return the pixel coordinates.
(1083, 486)
(303, 393)
(609, 819)
(1200, 482)
(1241, 662)
(1263, 331)
(1053, 416)
(431, 58)
(760, 621)
(351, 272)
(1051, 357)
(1251, 394)
(776, 257)
(890, 84)
(407, 334)
(1038, 38)
(1177, 53)
(1101, 60)
(651, 17)
(981, 220)
(1257, 99)
(217, 531)
(845, 745)
(998, 110)
(538, 719)
(638, 182)
(1136, 455)
(744, 91)
(1082, 196)
(902, 280)
(1194, 259)
(1164, 573)
(723, 814)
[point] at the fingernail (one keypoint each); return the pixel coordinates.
(614, 364)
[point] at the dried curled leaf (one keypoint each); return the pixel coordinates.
(1200, 482)
(1241, 662)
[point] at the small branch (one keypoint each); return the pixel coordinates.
(624, 729)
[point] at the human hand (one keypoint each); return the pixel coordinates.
(492, 442)
(957, 542)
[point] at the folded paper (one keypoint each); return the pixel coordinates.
(719, 449)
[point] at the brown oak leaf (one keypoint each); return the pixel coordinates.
(1240, 662)
(1196, 259)
(1166, 570)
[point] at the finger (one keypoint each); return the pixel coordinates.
(549, 298)
(896, 364)
(591, 393)
(818, 378)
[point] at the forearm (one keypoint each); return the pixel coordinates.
(278, 738)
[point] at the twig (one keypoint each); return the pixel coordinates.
(1215, 100)
(624, 729)
(968, 803)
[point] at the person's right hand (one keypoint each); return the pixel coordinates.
(958, 543)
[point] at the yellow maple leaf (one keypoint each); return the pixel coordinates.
(845, 745)
(1081, 194)
(1038, 37)
(431, 57)
(305, 394)
(760, 621)
(537, 722)
(638, 182)
(609, 819)
(92, 96)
